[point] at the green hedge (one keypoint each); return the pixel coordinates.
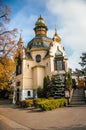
(37, 100)
(52, 104)
(44, 104)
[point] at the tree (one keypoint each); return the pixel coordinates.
(7, 42)
(7, 47)
(56, 87)
(45, 85)
(83, 63)
(6, 73)
(68, 80)
(40, 92)
(74, 83)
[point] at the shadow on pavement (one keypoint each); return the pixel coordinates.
(9, 104)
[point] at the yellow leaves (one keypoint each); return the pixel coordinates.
(7, 67)
(2, 70)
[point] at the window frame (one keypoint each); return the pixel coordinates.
(19, 66)
(60, 58)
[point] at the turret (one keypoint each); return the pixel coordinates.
(40, 27)
(21, 48)
(56, 37)
(20, 43)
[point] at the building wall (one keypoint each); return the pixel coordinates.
(27, 74)
(33, 71)
(47, 66)
(24, 94)
(19, 79)
(39, 51)
(38, 76)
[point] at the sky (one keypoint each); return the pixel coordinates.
(69, 17)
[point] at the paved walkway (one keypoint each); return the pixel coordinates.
(71, 118)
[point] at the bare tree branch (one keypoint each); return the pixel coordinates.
(4, 15)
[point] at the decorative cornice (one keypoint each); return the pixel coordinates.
(29, 59)
(38, 49)
(47, 57)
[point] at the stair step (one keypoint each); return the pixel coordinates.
(77, 101)
(78, 105)
(78, 98)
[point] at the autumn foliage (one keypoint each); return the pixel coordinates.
(7, 47)
(6, 73)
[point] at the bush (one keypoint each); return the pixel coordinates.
(26, 103)
(37, 100)
(44, 104)
(47, 105)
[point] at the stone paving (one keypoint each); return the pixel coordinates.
(69, 118)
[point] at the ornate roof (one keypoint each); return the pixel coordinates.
(39, 41)
(56, 37)
(40, 27)
(40, 22)
(58, 53)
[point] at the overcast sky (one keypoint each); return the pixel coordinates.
(68, 15)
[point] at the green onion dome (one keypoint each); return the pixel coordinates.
(40, 22)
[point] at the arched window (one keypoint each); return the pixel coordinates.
(19, 66)
(59, 64)
(59, 60)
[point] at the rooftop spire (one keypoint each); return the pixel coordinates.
(40, 17)
(55, 31)
(20, 39)
(20, 42)
(56, 37)
(21, 33)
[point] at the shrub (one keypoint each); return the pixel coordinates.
(44, 104)
(47, 105)
(22, 104)
(26, 103)
(37, 100)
